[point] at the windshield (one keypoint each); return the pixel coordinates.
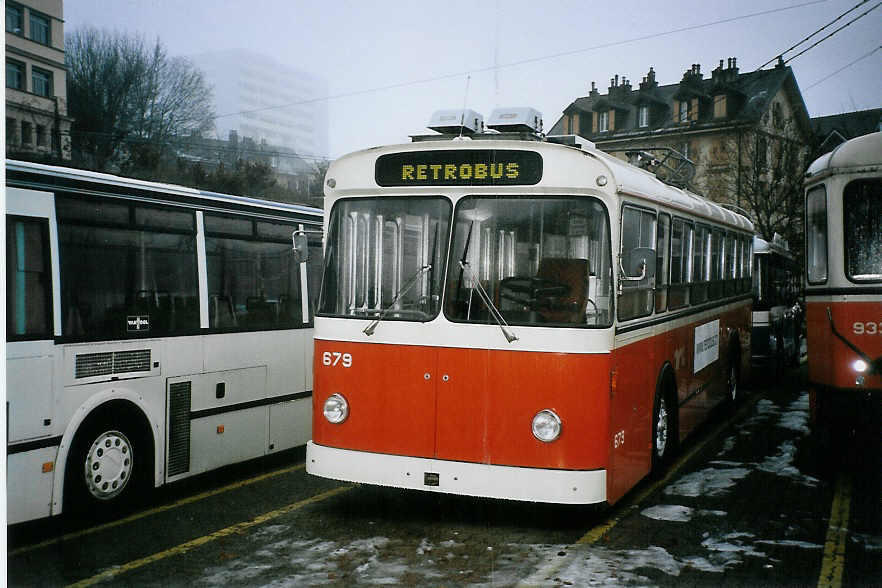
(540, 260)
(385, 257)
(863, 230)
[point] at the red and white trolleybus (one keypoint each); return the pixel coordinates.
(514, 317)
(843, 207)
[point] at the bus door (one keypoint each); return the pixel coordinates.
(32, 322)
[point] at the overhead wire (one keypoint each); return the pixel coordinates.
(843, 68)
(525, 61)
(815, 44)
(804, 39)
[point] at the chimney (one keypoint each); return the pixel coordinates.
(593, 93)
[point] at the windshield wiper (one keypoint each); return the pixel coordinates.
(485, 298)
(369, 330)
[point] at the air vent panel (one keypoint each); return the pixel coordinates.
(89, 365)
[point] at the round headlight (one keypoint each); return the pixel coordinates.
(336, 409)
(860, 366)
(546, 426)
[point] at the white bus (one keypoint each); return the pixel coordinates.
(153, 332)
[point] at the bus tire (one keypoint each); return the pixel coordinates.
(733, 376)
(664, 423)
(110, 462)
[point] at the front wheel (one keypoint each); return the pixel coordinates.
(106, 468)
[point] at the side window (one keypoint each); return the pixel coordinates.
(253, 280)
(638, 251)
(126, 270)
(731, 273)
(662, 265)
(715, 289)
(700, 264)
(28, 279)
(816, 235)
(681, 263)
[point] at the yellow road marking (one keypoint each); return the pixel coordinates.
(540, 577)
(190, 545)
(833, 563)
(157, 510)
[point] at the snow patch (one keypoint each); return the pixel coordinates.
(707, 482)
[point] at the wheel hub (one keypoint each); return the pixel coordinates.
(108, 465)
(661, 428)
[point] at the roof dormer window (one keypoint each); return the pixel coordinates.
(683, 111)
(603, 121)
(643, 116)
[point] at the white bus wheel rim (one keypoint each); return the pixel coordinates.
(108, 465)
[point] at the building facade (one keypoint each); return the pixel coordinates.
(745, 136)
(36, 85)
(257, 97)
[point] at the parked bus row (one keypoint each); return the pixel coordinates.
(513, 316)
(153, 332)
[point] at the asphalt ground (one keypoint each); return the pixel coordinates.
(754, 500)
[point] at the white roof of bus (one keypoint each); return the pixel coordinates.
(864, 151)
(87, 175)
(627, 179)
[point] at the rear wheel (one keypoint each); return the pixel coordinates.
(733, 378)
(664, 433)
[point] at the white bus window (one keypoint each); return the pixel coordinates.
(638, 233)
(863, 234)
(539, 261)
(253, 280)
(122, 280)
(28, 283)
(816, 235)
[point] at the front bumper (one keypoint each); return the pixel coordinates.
(455, 477)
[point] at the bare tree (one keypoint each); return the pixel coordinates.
(770, 184)
(130, 100)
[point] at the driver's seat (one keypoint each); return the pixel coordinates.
(568, 307)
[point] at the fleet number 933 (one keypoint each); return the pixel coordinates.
(334, 358)
(870, 328)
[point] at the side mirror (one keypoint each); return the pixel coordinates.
(639, 264)
(301, 246)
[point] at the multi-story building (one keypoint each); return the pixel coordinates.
(746, 135)
(262, 99)
(36, 88)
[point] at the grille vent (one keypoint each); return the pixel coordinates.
(178, 428)
(112, 362)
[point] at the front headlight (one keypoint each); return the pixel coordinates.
(859, 365)
(336, 409)
(546, 426)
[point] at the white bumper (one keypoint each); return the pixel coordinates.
(457, 477)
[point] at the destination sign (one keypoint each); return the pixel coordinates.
(464, 167)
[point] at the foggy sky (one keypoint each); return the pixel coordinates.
(390, 64)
